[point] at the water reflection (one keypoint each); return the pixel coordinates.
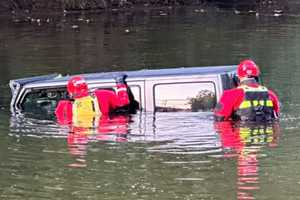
(109, 129)
(245, 142)
(180, 133)
(176, 133)
(192, 142)
(34, 126)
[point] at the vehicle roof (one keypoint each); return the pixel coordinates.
(151, 73)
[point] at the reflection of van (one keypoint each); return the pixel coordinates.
(176, 89)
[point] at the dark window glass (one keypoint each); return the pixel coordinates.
(43, 100)
(229, 81)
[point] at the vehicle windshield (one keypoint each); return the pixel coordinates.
(43, 100)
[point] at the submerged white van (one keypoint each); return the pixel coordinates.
(162, 90)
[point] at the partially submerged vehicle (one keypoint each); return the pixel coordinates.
(163, 90)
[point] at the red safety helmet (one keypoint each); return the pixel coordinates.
(77, 87)
(247, 68)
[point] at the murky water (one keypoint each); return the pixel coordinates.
(150, 156)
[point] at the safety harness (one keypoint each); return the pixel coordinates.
(256, 105)
(86, 112)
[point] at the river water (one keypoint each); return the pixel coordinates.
(151, 155)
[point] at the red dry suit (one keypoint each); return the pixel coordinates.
(106, 102)
(248, 102)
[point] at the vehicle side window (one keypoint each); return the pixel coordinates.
(198, 96)
(43, 100)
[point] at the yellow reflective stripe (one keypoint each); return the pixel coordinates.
(270, 103)
(255, 102)
(247, 103)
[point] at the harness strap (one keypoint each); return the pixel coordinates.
(249, 103)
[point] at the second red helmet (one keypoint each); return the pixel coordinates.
(248, 68)
(77, 87)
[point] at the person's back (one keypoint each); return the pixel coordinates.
(250, 101)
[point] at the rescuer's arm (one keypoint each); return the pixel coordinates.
(109, 101)
(228, 101)
(122, 91)
(63, 112)
(126, 96)
(275, 101)
(120, 98)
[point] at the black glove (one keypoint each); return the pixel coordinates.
(121, 79)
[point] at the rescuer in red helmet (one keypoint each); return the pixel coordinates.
(95, 115)
(250, 101)
(85, 108)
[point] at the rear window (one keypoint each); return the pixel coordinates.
(43, 100)
(195, 96)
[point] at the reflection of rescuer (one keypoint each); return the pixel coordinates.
(113, 129)
(85, 108)
(250, 101)
(246, 141)
(237, 136)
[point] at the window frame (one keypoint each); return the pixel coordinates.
(29, 91)
(185, 82)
